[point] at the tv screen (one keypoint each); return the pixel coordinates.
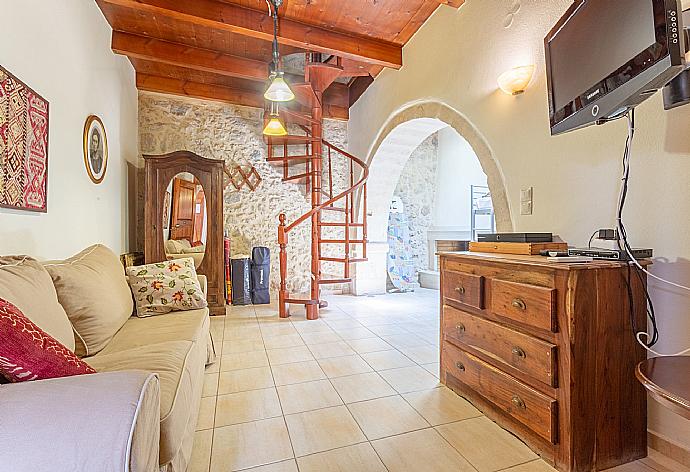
(605, 56)
(602, 36)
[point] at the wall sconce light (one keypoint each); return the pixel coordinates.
(515, 81)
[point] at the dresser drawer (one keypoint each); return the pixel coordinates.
(525, 353)
(464, 288)
(533, 409)
(527, 304)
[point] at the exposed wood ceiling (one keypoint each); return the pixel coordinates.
(220, 49)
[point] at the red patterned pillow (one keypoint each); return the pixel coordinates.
(29, 353)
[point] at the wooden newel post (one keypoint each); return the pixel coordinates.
(282, 292)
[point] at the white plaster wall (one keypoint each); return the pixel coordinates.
(458, 169)
(456, 57)
(61, 49)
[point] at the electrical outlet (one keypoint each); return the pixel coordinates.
(525, 208)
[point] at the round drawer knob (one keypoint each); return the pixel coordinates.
(460, 366)
(518, 351)
(461, 328)
(519, 402)
(520, 304)
(460, 290)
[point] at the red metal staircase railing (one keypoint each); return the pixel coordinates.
(305, 166)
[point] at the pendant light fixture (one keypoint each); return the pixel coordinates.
(278, 91)
(275, 126)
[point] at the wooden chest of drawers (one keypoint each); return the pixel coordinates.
(547, 351)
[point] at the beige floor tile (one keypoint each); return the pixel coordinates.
(383, 360)
(285, 466)
(433, 369)
(328, 350)
(355, 333)
(207, 413)
(487, 446)
(441, 405)
(321, 430)
(307, 396)
(277, 329)
(423, 450)
(360, 387)
(249, 445)
(342, 366)
(242, 334)
(422, 354)
(311, 326)
(343, 323)
(357, 458)
(246, 379)
(210, 388)
(243, 360)
(387, 416)
(363, 346)
(388, 330)
(534, 466)
(400, 341)
(297, 372)
(288, 355)
(247, 406)
(242, 345)
(410, 379)
(288, 340)
(320, 338)
(201, 452)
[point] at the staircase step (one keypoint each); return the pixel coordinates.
(304, 94)
(281, 159)
(335, 281)
(350, 260)
(332, 208)
(298, 177)
(342, 241)
(341, 225)
(290, 140)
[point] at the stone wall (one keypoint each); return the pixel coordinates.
(233, 134)
(416, 189)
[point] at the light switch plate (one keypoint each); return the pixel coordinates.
(526, 208)
(526, 194)
(526, 200)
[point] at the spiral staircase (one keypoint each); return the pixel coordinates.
(338, 227)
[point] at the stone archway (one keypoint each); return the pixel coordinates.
(402, 133)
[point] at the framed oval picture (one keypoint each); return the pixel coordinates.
(95, 149)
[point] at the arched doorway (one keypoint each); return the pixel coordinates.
(404, 131)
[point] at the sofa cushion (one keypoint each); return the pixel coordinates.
(175, 326)
(91, 286)
(29, 353)
(179, 365)
(25, 283)
(163, 287)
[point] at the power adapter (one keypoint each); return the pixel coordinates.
(608, 235)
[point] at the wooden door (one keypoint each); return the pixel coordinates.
(182, 226)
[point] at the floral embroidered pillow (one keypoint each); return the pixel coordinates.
(163, 287)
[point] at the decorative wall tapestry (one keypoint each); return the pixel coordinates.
(23, 146)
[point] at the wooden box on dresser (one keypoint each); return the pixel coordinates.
(547, 351)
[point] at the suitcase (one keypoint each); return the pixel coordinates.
(260, 279)
(240, 275)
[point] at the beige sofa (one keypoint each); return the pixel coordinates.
(139, 412)
(180, 248)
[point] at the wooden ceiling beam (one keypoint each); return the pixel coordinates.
(174, 54)
(333, 108)
(257, 24)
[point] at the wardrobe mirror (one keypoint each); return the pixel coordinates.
(185, 218)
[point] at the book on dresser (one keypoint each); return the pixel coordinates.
(548, 352)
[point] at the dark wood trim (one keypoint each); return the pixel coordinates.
(358, 86)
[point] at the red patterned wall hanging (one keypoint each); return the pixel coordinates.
(23, 146)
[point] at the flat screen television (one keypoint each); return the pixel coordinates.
(605, 56)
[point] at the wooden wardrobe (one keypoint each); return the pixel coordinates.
(160, 170)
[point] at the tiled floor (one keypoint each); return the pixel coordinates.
(354, 391)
